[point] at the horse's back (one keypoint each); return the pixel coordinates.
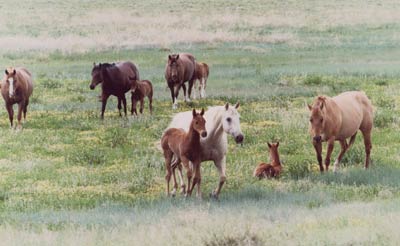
(26, 78)
(188, 65)
(356, 109)
(129, 68)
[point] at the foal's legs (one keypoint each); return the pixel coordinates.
(141, 105)
(168, 157)
(318, 151)
(10, 111)
(186, 164)
(331, 143)
(134, 102)
(221, 166)
(104, 103)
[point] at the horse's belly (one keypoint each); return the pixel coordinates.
(211, 153)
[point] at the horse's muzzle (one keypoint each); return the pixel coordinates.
(92, 86)
(203, 134)
(239, 138)
(317, 139)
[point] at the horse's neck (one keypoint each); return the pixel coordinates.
(217, 130)
(192, 137)
(274, 157)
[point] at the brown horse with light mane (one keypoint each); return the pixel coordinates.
(179, 69)
(186, 148)
(201, 74)
(16, 88)
(270, 170)
(338, 118)
(141, 89)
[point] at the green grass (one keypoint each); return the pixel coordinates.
(69, 178)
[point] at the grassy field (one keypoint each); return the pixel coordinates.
(69, 178)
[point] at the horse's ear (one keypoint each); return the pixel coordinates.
(321, 106)
(194, 112)
(169, 57)
(309, 106)
(14, 72)
(277, 144)
(177, 56)
(6, 72)
(202, 111)
(227, 106)
(269, 145)
(237, 105)
(94, 64)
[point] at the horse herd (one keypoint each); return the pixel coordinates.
(192, 137)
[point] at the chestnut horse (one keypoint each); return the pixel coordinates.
(17, 87)
(338, 118)
(201, 74)
(141, 89)
(115, 80)
(186, 148)
(179, 69)
(270, 170)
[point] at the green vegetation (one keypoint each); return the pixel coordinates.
(69, 178)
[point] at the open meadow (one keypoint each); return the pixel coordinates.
(69, 178)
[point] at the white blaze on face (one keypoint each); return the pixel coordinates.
(11, 87)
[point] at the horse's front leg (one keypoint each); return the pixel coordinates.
(197, 178)
(191, 82)
(318, 151)
(331, 143)
(173, 95)
(119, 106)
(21, 106)
(221, 166)
(344, 147)
(10, 111)
(186, 164)
(141, 105)
(104, 104)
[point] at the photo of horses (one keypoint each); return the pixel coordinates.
(211, 123)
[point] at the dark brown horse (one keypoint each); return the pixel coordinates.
(115, 80)
(141, 89)
(272, 169)
(179, 69)
(16, 88)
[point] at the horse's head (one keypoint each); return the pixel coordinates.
(134, 84)
(97, 78)
(231, 122)
(173, 67)
(273, 150)
(199, 123)
(11, 80)
(317, 115)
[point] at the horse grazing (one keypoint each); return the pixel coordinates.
(338, 118)
(115, 80)
(186, 148)
(201, 73)
(179, 69)
(270, 170)
(220, 121)
(16, 88)
(141, 89)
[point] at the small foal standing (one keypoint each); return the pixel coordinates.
(141, 89)
(186, 148)
(17, 87)
(201, 73)
(338, 118)
(270, 170)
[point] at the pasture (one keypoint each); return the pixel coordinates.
(69, 178)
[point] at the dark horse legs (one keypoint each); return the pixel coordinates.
(103, 105)
(123, 100)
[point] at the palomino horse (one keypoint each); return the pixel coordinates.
(17, 87)
(141, 89)
(338, 118)
(179, 69)
(220, 121)
(115, 80)
(186, 148)
(201, 74)
(270, 170)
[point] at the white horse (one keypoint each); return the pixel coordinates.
(220, 121)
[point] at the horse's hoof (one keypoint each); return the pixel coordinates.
(214, 196)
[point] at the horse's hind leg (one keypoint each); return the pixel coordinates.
(191, 82)
(134, 102)
(119, 106)
(203, 88)
(124, 103)
(168, 157)
(141, 105)
(344, 146)
(368, 146)
(26, 109)
(151, 103)
(221, 166)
